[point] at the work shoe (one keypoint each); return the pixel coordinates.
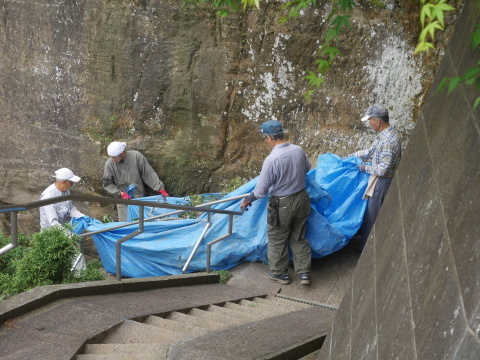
(282, 279)
(305, 279)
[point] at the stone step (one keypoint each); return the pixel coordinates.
(261, 306)
(135, 332)
(244, 315)
(119, 357)
(119, 349)
(156, 334)
(283, 303)
(187, 329)
(227, 320)
(260, 313)
(196, 321)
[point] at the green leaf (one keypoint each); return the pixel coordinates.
(330, 34)
(330, 51)
(313, 79)
(308, 94)
(471, 73)
(423, 47)
(475, 37)
(425, 12)
(477, 102)
(469, 76)
(340, 22)
(322, 65)
(430, 28)
(439, 9)
(442, 84)
(454, 82)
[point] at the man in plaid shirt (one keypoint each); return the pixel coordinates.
(385, 157)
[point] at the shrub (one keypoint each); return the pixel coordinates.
(47, 261)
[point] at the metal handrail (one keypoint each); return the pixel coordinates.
(13, 209)
(204, 232)
(158, 217)
(209, 245)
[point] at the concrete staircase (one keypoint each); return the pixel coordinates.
(152, 336)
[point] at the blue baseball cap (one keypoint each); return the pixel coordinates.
(272, 127)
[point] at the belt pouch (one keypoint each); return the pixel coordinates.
(272, 214)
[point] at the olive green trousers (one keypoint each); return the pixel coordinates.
(293, 213)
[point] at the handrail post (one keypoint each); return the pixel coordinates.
(209, 250)
(14, 234)
(209, 245)
(125, 238)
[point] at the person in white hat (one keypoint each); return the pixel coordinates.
(385, 157)
(59, 213)
(125, 168)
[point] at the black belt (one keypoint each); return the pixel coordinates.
(285, 196)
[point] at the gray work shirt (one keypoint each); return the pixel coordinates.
(57, 214)
(136, 170)
(283, 172)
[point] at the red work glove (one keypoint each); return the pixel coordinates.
(124, 195)
(164, 194)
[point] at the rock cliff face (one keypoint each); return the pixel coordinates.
(189, 89)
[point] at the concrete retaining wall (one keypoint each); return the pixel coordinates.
(415, 293)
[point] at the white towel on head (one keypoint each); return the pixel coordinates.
(116, 148)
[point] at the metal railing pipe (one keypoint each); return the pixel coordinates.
(157, 217)
(13, 209)
(204, 232)
(209, 245)
(13, 234)
(209, 204)
(125, 238)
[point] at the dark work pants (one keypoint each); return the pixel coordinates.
(373, 208)
(290, 232)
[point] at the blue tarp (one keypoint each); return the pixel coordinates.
(335, 187)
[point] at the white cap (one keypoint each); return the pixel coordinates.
(66, 174)
(116, 148)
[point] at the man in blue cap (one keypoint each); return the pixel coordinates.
(385, 157)
(283, 176)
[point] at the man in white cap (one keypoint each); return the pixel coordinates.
(125, 168)
(385, 157)
(59, 213)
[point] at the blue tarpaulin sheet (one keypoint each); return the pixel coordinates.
(335, 187)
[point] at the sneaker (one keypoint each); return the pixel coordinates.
(282, 279)
(305, 279)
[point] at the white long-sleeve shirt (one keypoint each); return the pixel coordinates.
(56, 214)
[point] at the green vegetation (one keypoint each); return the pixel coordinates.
(106, 219)
(470, 77)
(44, 258)
(431, 16)
(225, 275)
(195, 200)
(233, 184)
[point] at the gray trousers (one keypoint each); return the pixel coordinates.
(122, 210)
(373, 208)
(293, 215)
